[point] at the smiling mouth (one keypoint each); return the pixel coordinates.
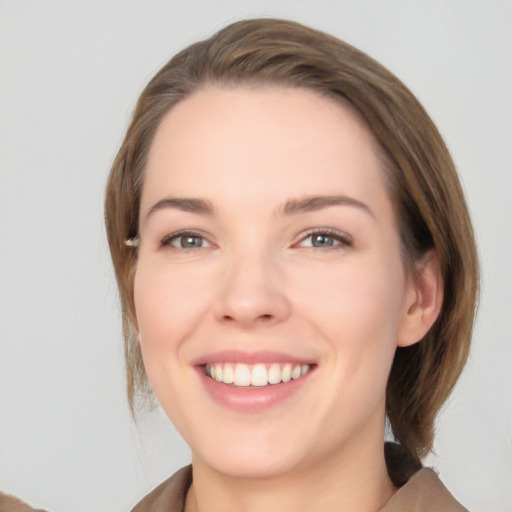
(255, 375)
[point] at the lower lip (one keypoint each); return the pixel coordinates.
(251, 399)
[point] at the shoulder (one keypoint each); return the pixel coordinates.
(424, 492)
(169, 496)
(420, 489)
(10, 503)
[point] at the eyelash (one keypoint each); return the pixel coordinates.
(168, 239)
(342, 239)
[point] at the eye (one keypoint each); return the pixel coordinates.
(185, 240)
(325, 239)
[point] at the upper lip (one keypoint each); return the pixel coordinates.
(250, 357)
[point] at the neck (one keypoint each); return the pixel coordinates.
(347, 482)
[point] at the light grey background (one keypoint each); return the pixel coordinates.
(70, 72)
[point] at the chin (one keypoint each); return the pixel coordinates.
(252, 467)
(250, 458)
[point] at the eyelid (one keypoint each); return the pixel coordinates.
(344, 239)
(167, 240)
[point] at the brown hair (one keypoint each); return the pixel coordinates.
(423, 184)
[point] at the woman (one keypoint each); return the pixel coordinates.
(296, 264)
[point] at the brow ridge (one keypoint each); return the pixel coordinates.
(315, 203)
(290, 207)
(185, 204)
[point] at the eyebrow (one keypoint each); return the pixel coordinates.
(314, 203)
(290, 207)
(185, 204)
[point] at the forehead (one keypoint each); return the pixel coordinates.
(240, 143)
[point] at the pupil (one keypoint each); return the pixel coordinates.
(322, 240)
(190, 241)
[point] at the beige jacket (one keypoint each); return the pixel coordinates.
(420, 490)
(424, 492)
(10, 503)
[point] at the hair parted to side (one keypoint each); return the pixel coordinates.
(423, 186)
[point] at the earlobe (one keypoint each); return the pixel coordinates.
(424, 300)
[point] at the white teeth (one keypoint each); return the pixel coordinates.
(274, 374)
(228, 376)
(242, 375)
(296, 372)
(286, 374)
(258, 375)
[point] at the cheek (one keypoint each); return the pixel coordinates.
(357, 308)
(353, 310)
(162, 302)
(159, 309)
(359, 292)
(167, 300)
(170, 302)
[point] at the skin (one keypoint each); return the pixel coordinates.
(256, 282)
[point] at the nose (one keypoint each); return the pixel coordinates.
(252, 293)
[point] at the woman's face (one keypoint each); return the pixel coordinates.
(270, 259)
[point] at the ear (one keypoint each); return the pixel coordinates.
(424, 299)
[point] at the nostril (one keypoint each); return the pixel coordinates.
(266, 317)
